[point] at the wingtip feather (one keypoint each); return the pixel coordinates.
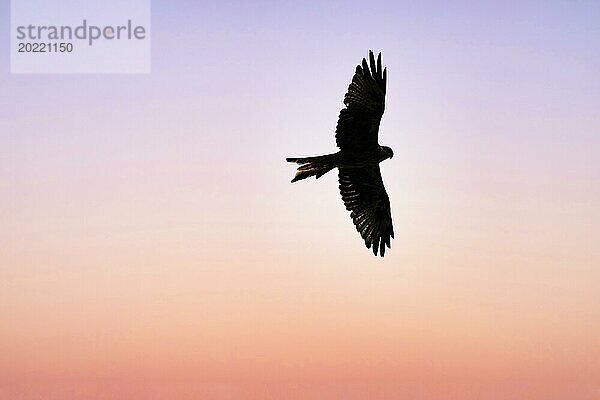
(372, 64)
(384, 78)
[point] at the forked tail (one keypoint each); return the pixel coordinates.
(313, 166)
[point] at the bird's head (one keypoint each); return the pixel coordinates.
(387, 152)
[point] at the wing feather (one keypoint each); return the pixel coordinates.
(358, 123)
(365, 197)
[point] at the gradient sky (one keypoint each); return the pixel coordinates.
(152, 247)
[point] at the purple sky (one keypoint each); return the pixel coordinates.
(147, 220)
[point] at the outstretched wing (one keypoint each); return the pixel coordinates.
(365, 197)
(358, 123)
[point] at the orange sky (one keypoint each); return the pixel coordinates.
(152, 246)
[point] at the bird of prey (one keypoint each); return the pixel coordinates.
(357, 161)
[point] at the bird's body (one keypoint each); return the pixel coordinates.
(361, 185)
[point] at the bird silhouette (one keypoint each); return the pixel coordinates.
(359, 155)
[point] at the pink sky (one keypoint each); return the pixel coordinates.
(152, 247)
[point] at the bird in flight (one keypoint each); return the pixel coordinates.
(357, 161)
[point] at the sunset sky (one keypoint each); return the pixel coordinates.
(153, 247)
